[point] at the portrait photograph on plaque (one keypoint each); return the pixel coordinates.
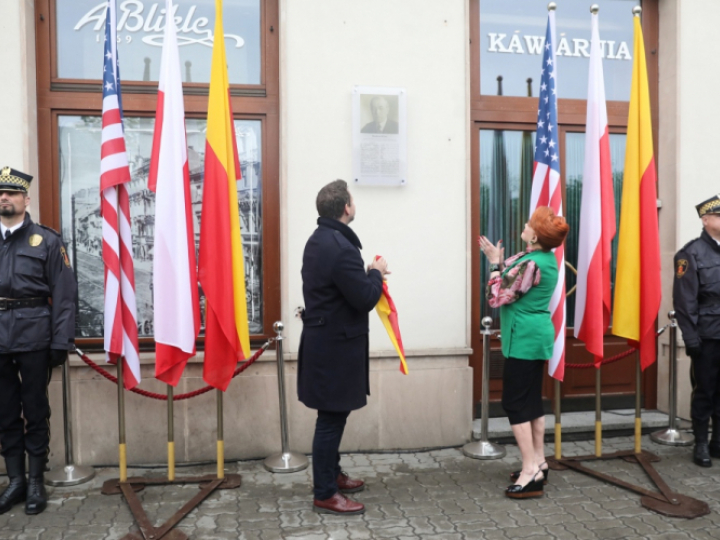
(379, 136)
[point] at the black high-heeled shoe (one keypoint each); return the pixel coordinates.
(534, 488)
(546, 472)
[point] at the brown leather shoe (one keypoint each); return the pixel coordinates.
(338, 504)
(349, 485)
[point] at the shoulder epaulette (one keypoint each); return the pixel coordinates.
(48, 229)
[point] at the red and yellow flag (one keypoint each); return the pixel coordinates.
(637, 281)
(388, 316)
(220, 267)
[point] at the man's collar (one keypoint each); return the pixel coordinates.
(339, 226)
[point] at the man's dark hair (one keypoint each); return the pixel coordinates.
(332, 199)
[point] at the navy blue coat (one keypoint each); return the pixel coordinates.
(333, 362)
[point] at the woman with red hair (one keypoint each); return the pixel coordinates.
(521, 287)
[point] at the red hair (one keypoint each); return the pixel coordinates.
(550, 229)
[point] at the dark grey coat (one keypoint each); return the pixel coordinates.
(333, 363)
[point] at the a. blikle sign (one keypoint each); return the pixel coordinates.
(80, 31)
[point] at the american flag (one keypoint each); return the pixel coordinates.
(546, 189)
(121, 337)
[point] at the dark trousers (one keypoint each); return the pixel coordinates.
(24, 379)
(329, 430)
(705, 378)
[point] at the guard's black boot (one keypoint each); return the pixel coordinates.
(715, 440)
(15, 491)
(36, 495)
(701, 454)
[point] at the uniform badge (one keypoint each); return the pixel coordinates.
(681, 268)
(65, 257)
(35, 240)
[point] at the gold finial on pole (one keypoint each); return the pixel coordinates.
(637, 10)
(594, 9)
(552, 6)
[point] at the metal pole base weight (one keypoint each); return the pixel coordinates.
(286, 462)
(69, 475)
(672, 437)
(483, 450)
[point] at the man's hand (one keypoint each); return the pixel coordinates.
(694, 350)
(379, 264)
(57, 357)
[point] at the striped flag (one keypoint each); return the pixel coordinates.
(175, 285)
(121, 337)
(221, 265)
(597, 214)
(388, 314)
(637, 281)
(546, 189)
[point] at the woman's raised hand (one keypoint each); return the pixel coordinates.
(495, 254)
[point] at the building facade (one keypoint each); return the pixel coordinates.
(462, 69)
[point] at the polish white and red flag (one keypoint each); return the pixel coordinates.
(597, 214)
(175, 284)
(546, 188)
(121, 334)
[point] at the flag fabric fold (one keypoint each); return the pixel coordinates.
(637, 279)
(221, 267)
(546, 188)
(388, 314)
(597, 215)
(120, 322)
(175, 285)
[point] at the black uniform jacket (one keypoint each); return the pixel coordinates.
(34, 264)
(333, 364)
(696, 290)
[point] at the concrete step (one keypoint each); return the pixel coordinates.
(581, 425)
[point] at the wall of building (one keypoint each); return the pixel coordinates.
(687, 152)
(18, 109)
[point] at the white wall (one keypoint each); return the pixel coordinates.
(18, 103)
(688, 148)
(422, 46)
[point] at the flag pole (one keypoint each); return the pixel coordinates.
(171, 433)
(638, 395)
(220, 441)
(598, 411)
(558, 425)
(121, 420)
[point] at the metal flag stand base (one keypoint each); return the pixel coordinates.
(285, 461)
(128, 489)
(70, 474)
(484, 449)
(664, 501)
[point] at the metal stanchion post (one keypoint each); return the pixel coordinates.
(672, 436)
(70, 474)
(484, 449)
(286, 461)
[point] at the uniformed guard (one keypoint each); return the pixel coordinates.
(37, 328)
(696, 295)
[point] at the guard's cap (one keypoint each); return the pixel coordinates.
(12, 180)
(711, 206)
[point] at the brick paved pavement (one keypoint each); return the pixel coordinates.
(437, 495)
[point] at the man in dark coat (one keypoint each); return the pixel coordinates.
(333, 362)
(696, 298)
(380, 109)
(37, 328)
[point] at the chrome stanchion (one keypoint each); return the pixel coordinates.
(70, 474)
(286, 461)
(672, 436)
(484, 449)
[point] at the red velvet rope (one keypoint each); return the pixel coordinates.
(612, 359)
(179, 397)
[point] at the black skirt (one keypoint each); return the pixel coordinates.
(522, 389)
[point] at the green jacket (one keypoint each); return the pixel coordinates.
(526, 327)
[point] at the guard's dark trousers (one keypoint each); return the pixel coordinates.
(24, 405)
(329, 430)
